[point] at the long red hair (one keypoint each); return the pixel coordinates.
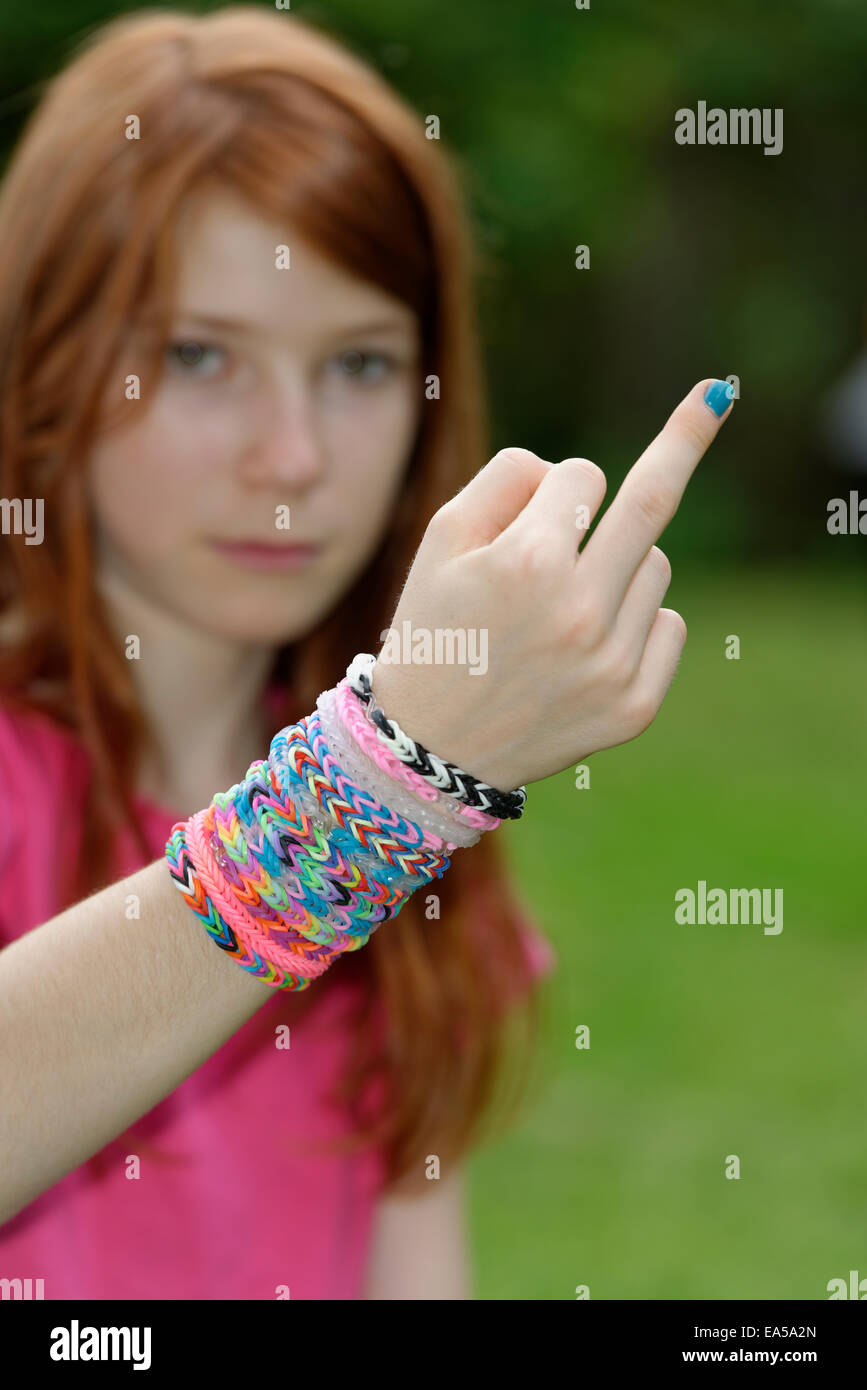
(305, 131)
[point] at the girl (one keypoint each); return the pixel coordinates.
(239, 378)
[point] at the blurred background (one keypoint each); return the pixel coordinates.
(705, 1041)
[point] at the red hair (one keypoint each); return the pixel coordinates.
(303, 130)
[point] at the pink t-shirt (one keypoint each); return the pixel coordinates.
(237, 1205)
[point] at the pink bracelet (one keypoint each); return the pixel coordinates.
(352, 713)
(440, 830)
(243, 925)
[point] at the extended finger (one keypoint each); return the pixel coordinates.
(650, 495)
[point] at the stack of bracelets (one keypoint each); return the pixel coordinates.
(327, 837)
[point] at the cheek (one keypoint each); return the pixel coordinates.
(369, 450)
(128, 496)
(147, 483)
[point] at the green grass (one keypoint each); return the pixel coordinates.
(705, 1040)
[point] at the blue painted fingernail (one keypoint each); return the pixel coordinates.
(719, 396)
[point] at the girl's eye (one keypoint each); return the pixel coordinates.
(364, 366)
(190, 357)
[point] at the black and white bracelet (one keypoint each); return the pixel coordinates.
(448, 779)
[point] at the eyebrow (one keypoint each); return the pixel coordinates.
(221, 322)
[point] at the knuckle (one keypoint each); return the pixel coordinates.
(525, 460)
(656, 503)
(585, 626)
(619, 663)
(530, 557)
(441, 519)
(585, 468)
(641, 710)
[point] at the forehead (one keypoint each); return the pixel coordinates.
(228, 267)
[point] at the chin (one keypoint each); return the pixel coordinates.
(263, 628)
(272, 622)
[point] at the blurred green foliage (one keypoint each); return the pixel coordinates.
(706, 1040)
(705, 261)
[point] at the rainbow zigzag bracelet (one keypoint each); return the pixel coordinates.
(297, 864)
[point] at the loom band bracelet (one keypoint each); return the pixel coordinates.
(340, 797)
(259, 790)
(351, 869)
(232, 905)
(217, 926)
(250, 877)
(388, 819)
(251, 800)
(187, 880)
(299, 957)
(348, 881)
(444, 832)
(365, 902)
(289, 912)
(354, 764)
(255, 800)
(309, 900)
(353, 853)
(447, 777)
(306, 915)
(336, 890)
(410, 868)
(356, 718)
(344, 804)
(451, 780)
(391, 877)
(266, 897)
(353, 715)
(287, 752)
(367, 911)
(265, 805)
(454, 781)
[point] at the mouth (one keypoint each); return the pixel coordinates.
(268, 555)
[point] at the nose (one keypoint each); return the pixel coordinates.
(283, 447)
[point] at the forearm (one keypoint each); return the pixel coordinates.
(103, 1014)
(101, 1017)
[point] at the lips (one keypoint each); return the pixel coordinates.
(268, 555)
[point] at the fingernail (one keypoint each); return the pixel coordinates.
(719, 396)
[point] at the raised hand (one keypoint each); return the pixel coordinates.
(580, 654)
